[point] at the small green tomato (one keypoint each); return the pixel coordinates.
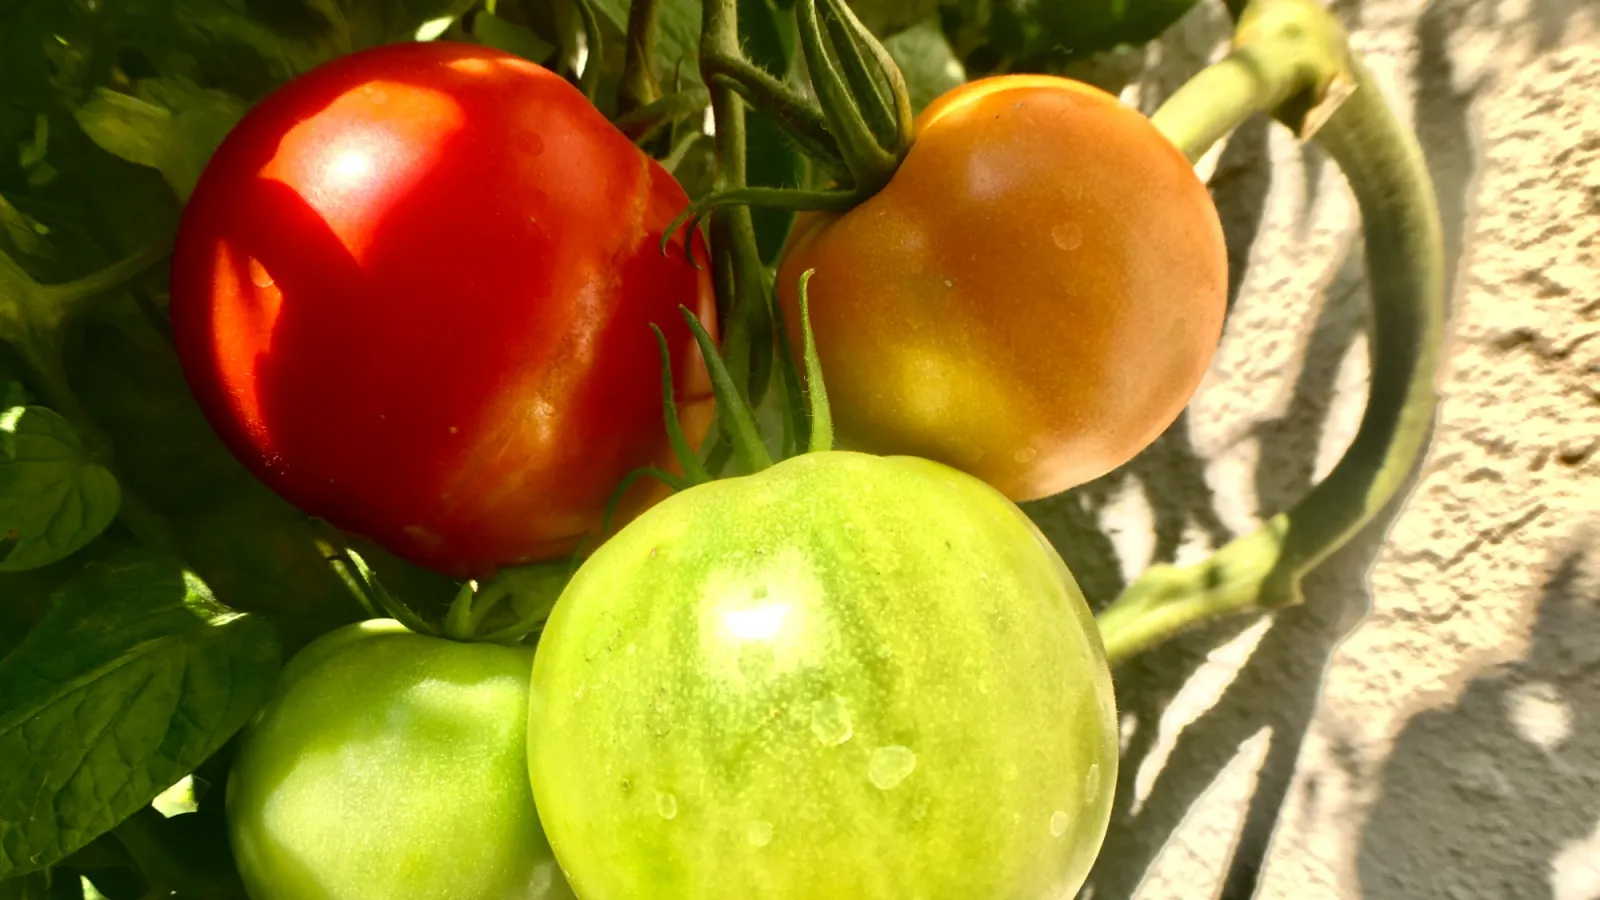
(392, 765)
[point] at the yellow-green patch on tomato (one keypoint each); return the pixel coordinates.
(844, 677)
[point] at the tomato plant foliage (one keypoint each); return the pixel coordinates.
(161, 550)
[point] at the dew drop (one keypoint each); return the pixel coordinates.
(830, 721)
(1059, 823)
(1067, 235)
(949, 283)
(1091, 784)
(259, 276)
(666, 806)
(454, 429)
(759, 833)
(1025, 455)
(890, 765)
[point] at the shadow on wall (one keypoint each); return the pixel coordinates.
(1517, 758)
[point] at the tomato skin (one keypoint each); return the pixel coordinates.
(1034, 296)
(411, 293)
(389, 764)
(846, 676)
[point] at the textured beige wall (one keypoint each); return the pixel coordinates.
(1433, 730)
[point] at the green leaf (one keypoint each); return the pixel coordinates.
(1085, 27)
(926, 60)
(168, 124)
(677, 37)
(128, 377)
(54, 498)
(493, 31)
(134, 678)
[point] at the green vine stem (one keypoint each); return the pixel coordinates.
(639, 86)
(1290, 60)
(736, 270)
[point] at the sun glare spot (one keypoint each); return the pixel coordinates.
(471, 66)
(349, 168)
(761, 623)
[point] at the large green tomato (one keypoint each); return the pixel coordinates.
(390, 765)
(847, 676)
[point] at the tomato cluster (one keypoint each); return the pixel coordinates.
(413, 292)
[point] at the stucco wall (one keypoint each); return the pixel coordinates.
(1428, 723)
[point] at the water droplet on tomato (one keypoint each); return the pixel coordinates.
(759, 833)
(1025, 455)
(1059, 823)
(830, 721)
(890, 765)
(949, 282)
(1091, 784)
(1067, 235)
(259, 276)
(666, 806)
(454, 429)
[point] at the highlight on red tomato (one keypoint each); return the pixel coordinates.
(1034, 296)
(412, 293)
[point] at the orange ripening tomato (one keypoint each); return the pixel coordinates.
(413, 293)
(1032, 298)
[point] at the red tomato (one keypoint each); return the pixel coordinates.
(412, 291)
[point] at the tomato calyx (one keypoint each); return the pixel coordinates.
(479, 612)
(810, 426)
(859, 128)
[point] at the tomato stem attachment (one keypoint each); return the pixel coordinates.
(890, 116)
(737, 273)
(775, 198)
(870, 164)
(821, 439)
(1263, 571)
(732, 411)
(695, 472)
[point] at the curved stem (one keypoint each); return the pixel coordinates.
(1405, 263)
(817, 391)
(732, 411)
(796, 199)
(796, 114)
(736, 271)
(639, 87)
(642, 123)
(692, 470)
